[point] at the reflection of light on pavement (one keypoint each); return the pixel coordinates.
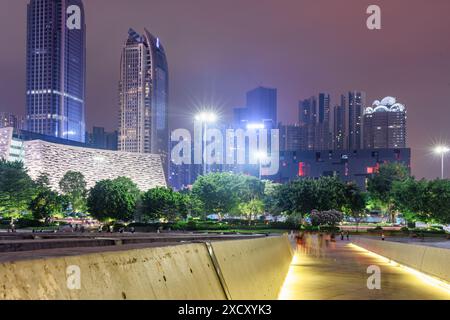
(419, 275)
(291, 277)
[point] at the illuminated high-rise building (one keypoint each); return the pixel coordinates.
(385, 125)
(340, 126)
(56, 65)
(144, 96)
(314, 115)
(356, 103)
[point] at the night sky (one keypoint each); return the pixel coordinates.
(219, 49)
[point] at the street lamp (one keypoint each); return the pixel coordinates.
(204, 118)
(442, 151)
(262, 156)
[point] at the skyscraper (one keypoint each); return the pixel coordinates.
(56, 64)
(385, 125)
(262, 106)
(356, 104)
(314, 115)
(101, 139)
(292, 138)
(340, 126)
(144, 96)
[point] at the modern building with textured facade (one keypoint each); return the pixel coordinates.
(11, 148)
(56, 69)
(56, 159)
(144, 96)
(385, 125)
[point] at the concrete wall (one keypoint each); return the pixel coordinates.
(252, 269)
(429, 260)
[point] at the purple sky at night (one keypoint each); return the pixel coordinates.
(217, 50)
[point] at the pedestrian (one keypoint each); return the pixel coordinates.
(133, 230)
(342, 235)
(382, 236)
(348, 235)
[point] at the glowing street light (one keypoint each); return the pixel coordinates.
(204, 118)
(442, 151)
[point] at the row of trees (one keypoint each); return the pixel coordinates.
(391, 189)
(19, 194)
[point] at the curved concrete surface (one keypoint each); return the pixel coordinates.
(254, 269)
(429, 260)
(244, 269)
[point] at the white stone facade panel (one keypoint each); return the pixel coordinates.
(55, 160)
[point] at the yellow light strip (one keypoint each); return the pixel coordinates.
(438, 283)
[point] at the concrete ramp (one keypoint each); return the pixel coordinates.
(243, 269)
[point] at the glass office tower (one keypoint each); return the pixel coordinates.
(56, 69)
(144, 96)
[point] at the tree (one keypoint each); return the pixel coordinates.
(43, 182)
(381, 183)
(305, 195)
(16, 189)
(113, 199)
(73, 185)
(354, 202)
(410, 197)
(270, 198)
(46, 205)
(163, 203)
(252, 209)
(326, 218)
(218, 192)
(437, 199)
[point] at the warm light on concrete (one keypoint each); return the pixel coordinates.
(419, 275)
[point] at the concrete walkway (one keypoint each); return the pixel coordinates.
(338, 271)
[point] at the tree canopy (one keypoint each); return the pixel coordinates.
(113, 199)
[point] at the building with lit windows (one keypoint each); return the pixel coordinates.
(56, 70)
(314, 116)
(385, 125)
(349, 165)
(356, 103)
(144, 96)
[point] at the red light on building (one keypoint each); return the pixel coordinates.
(301, 169)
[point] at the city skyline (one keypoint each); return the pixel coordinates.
(422, 67)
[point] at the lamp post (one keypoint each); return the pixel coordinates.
(442, 151)
(262, 156)
(204, 118)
